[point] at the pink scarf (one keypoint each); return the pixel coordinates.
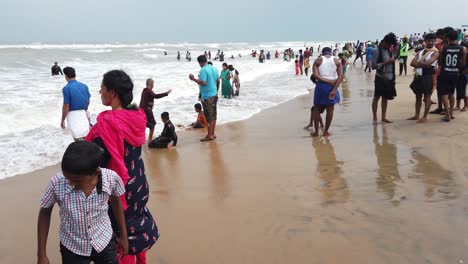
(113, 127)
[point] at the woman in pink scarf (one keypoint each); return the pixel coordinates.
(121, 133)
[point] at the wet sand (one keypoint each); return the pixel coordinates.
(266, 192)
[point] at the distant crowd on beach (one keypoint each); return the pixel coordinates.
(440, 65)
(102, 188)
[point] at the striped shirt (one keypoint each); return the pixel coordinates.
(84, 221)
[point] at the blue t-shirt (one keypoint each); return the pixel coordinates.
(208, 74)
(369, 52)
(76, 95)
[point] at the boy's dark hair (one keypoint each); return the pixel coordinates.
(440, 33)
(430, 36)
(452, 35)
(198, 106)
(202, 59)
(119, 82)
(82, 158)
(69, 72)
(165, 115)
(225, 64)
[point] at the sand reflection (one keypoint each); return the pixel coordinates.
(387, 162)
(438, 182)
(334, 188)
(219, 173)
(346, 95)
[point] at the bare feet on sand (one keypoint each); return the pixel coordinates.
(315, 134)
(413, 118)
(307, 127)
(422, 120)
(374, 122)
(326, 134)
(386, 121)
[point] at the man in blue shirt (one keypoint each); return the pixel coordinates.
(369, 51)
(75, 104)
(209, 84)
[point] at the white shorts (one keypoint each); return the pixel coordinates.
(78, 123)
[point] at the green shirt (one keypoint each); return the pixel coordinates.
(404, 48)
(224, 74)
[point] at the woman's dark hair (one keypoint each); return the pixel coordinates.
(82, 158)
(390, 38)
(237, 72)
(231, 68)
(119, 82)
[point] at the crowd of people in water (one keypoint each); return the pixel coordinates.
(102, 188)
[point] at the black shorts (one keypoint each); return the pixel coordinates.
(461, 87)
(160, 142)
(106, 256)
(150, 121)
(320, 108)
(446, 85)
(384, 88)
(210, 108)
(422, 85)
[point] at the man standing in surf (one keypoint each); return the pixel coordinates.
(209, 85)
(329, 74)
(75, 104)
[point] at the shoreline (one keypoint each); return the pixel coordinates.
(266, 192)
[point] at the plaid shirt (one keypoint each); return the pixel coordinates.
(84, 221)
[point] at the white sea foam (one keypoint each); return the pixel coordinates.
(30, 135)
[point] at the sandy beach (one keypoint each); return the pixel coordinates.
(267, 192)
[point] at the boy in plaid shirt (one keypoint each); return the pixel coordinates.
(83, 192)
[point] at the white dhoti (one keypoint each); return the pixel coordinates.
(78, 123)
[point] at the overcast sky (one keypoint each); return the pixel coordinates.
(104, 21)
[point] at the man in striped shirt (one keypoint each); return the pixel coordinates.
(83, 192)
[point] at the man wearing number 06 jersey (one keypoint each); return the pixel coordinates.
(452, 60)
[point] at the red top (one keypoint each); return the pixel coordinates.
(114, 127)
(201, 119)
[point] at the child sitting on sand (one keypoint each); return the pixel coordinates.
(84, 192)
(201, 119)
(168, 137)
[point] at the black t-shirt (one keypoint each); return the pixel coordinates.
(56, 70)
(451, 60)
(169, 132)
